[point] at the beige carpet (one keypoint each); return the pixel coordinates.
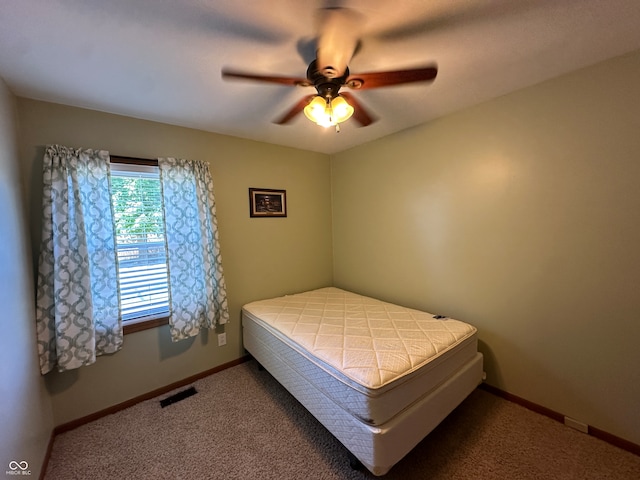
(243, 425)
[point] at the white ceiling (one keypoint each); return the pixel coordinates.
(161, 59)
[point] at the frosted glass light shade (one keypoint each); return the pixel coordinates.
(328, 113)
(342, 111)
(318, 111)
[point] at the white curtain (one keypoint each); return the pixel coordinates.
(197, 291)
(77, 308)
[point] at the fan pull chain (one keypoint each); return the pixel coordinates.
(330, 110)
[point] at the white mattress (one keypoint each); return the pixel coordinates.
(371, 358)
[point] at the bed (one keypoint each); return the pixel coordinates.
(377, 375)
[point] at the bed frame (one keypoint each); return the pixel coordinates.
(376, 446)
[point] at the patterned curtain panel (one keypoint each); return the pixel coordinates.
(197, 291)
(77, 308)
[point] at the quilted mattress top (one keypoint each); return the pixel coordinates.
(370, 341)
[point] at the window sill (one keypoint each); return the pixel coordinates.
(144, 323)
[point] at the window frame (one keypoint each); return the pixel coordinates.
(149, 321)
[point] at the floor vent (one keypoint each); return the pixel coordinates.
(178, 396)
(573, 423)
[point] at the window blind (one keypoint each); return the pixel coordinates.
(142, 262)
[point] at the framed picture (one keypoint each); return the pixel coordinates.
(266, 202)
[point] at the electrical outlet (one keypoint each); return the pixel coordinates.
(222, 339)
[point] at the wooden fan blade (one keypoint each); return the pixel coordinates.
(360, 114)
(338, 36)
(290, 81)
(363, 81)
(295, 110)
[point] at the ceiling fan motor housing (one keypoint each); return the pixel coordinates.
(326, 87)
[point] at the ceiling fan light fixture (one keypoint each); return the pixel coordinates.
(315, 110)
(342, 111)
(328, 112)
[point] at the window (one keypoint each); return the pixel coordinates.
(139, 227)
(108, 269)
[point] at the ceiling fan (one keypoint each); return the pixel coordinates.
(337, 42)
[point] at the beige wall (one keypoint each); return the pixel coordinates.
(520, 216)
(26, 419)
(262, 257)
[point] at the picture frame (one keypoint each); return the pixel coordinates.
(267, 202)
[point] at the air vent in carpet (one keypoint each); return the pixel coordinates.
(178, 396)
